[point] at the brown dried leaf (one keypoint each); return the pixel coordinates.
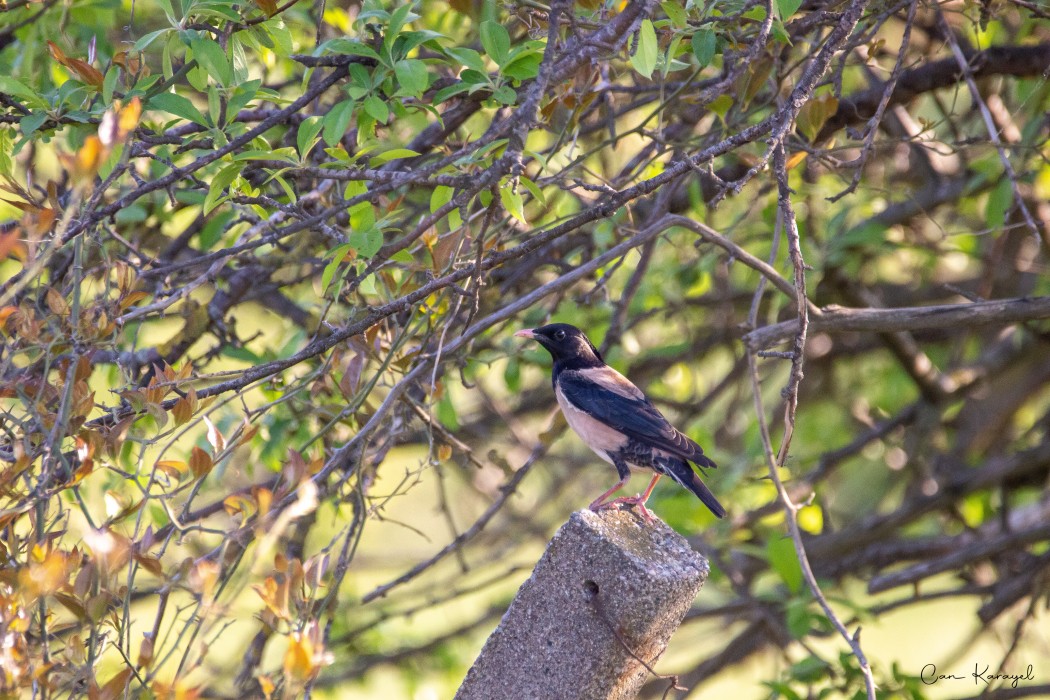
(814, 114)
(56, 302)
(37, 221)
(115, 687)
(200, 462)
(132, 63)
(182, 411)
(215, 438)
(150, 563)
(83, 70)
(132, 299)
(145, 659)
(269, 7)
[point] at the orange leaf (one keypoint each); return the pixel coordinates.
(83, 70)
(37, 220)
(238, 503)
(5, 313)
(56, 53)
(200, 462)
(129, 116)
(182, 411)
(267, 6)
(87, 160)
(247, 435)
(119, 122)
(86, 72)
(10, 242)
(173, 468)
(45, 576)
(115, 687)
(131, 63)
(132, 299)
(299, 658)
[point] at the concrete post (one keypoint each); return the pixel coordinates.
(606, 582)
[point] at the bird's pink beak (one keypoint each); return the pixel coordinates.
(525, 333)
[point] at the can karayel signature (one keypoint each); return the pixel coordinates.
(929, 675)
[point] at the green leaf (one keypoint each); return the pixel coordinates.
(512, 202)
(212, 59)
(306, 138)
(468, 57)
(213, 230)
(109, 84)
(330, 269)
(446, 412)
(669, 62)
(447, 92)
(280, 34)
(721, 105)
(393, 154)
(675, 12)
(218, 185)
(241, 97)
(145, 41)
(179, 106)
(798, 619)
(645, 53)
(533, 189)
(337, 121)
(349, 47)
(31, 122)
(401, 16)
(367, 285)
(523, 66)
(814, 114)
(376, 108)
(786, 8)
(704, 43)
(505, 95)
(496, 40)
(288, 191)
(367, 242)
(6, 149)
(411, 77)
(11, 86)
(784, 561)
(440, 197)
(214, 106)
(1000, 199)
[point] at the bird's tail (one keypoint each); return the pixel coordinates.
(680, 471)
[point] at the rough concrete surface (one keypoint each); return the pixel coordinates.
(602, 571)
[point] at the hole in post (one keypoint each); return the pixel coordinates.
(590, 589)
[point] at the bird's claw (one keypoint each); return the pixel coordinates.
(627, 501)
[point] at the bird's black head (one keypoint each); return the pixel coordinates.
(567, 345)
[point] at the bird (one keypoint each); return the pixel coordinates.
(618, 421)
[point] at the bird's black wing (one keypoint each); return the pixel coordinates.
(607, 396)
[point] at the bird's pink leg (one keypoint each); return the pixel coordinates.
(600, 504)
(638, 500)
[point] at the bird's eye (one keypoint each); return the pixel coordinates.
(559, 335)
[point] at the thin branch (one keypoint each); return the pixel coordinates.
(836, 319)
